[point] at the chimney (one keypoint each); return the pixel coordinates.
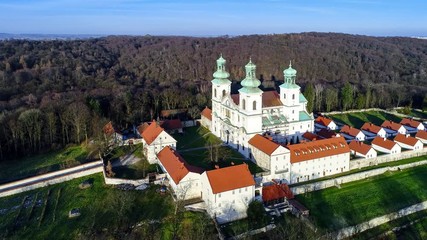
(232, 163)
(216, 167)
(385, 139)
(182, 165)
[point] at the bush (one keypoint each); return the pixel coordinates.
(257, 217)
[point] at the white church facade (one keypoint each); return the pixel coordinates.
(236, 118)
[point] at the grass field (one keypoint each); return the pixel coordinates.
(360, 201)
(136, 170)
(42, 163)
(358, 119)
(106, 213)
(195, 137)
(413, 113)
(200, 158)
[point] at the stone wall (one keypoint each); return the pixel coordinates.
(360, 163)
(50, 178)
(350, 178)
(135, 182)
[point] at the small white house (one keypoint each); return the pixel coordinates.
(371, 131)
(323, 122)
(184, 179)
(227, 192)
(386, 146)
(154, 139)
(393, 128)
(271, 156)
(422, 136)
(411, 125)
(359, 149)
(351, 133)
(206, 118)
(408, 142)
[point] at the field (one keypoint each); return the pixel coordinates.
(413, 113)
(360, 201)
(106, 213)
(42, 163)
(359, 118)
(195, 137)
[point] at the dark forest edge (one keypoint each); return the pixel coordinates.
(53, 93)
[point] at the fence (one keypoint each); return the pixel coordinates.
(350, 178)
(50, 178)
(357, 164)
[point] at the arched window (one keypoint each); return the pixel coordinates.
(254, 105)
(284, 96)
(244, 104)
(293, 96)
(215, 92)
(223, 92)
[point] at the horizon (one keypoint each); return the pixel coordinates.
(213, 19)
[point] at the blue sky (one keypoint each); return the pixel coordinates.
(212, 18)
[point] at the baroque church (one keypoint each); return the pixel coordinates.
(236, 118)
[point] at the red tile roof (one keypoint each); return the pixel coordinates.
(351, 131)
(141, 128)
(410, 122)
(359, 147)
(325, 133)
(152, 132)
(109, 129)
(371, 128)
(310, 136)
(271, 99)
(175, 165)
(264, 144)
(421, 134)
(230, 178)
(207, 113)
(172, 124)
(405, 139)
(383, 142)
(318, 149)
(275, 192)
(323, 121)
(391, 125)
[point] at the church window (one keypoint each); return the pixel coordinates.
(244, 104)
(284, 96)
(293, 96)
(254, 105)
(223, 92)
(215, 92)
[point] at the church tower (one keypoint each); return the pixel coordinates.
(221, 88)
(289, 94)
(250, 100)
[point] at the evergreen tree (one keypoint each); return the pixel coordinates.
(347, 96)
(309, 95)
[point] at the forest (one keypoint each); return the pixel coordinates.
(57, 92)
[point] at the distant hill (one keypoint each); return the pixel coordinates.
(28, 36)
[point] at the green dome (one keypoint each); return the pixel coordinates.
(290, 71)
(220, 72)
(250, 80)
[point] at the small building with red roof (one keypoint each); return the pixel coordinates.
(206, 118)
(408, 142)
(310, 136)
(275, 193)
(422, 136)
(326, 133)
(154, 139)
(371, 131)
(112, 133)
(393, 128)
(351, 133)
(386, 146)
(359, 149)
(227, 192)
(270, 155)
(183, 178)
(411, 125)
(320, 158)
(324, 122)
(172, 126)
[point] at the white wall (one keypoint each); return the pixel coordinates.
(395, 150)
(163, 140)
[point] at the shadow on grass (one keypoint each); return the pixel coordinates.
(374, 119)
(355, 121)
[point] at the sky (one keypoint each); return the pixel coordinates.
(214, 18)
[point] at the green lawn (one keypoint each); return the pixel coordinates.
(137, 170)
(360, 201)
(358, 119)
(413, 113)
(200, 158)
(195, 137)
(106, 213)
(42, 163)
